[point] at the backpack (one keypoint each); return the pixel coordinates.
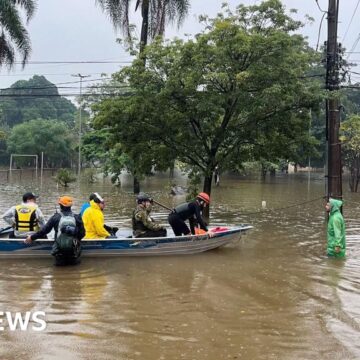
(66, 241)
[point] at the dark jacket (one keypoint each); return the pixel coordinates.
(53, 223)
(191, 211)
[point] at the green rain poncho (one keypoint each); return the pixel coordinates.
(336, 230)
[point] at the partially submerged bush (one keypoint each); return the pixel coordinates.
(90, 175)
(64, 177)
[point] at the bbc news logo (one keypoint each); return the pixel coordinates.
(22, 321)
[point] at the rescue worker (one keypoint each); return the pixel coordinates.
(26, 218)
(69, 230)
(93, 219)
(191, 211)
(143, 224)
(336, 243)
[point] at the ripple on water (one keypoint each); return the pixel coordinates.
(274, 296)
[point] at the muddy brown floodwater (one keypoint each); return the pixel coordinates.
(273, 296)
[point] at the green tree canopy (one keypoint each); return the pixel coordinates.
(237, 92)
(350, 137)
(36, 98)
(48, 136)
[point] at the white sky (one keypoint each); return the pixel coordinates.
(77, 30)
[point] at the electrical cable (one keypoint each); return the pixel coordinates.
(322, 18)
(283, 208)
(352, 18)
(55, 85)
(72, 62)
(318, 39)
(317, 3)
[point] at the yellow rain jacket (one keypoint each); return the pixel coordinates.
(93, 219)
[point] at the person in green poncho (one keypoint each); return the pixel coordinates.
(336, 243)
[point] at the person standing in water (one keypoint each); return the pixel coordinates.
(336, 242)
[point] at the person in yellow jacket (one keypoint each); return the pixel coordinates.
(93, 219)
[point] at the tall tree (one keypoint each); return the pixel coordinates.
(238, 92)
(350, 137)
(14, 36)
(155, 15)
(51, 137)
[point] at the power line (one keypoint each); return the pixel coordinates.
(59, 95)
(352, 17)
(54, 85)
(318, 39)
(350, 87)
(72, 87)
(53, 74)
(105, 86)
(354, 47)
(353, 72)
(322, 18)
(72, 62)
(317, 3)
(263, 212)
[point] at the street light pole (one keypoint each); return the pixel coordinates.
(81, 77)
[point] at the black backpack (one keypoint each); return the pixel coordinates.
(66, 241)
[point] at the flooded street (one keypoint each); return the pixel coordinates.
(275, 295)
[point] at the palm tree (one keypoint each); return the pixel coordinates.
(13, 35)
(155, 15)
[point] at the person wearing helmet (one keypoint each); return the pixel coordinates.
(189, 211)
(26, 218)
(69, 230)
(93, 219)
(143, 224)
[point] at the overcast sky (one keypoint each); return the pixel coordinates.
(77, 30)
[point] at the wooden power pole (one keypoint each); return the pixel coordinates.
(334, 167)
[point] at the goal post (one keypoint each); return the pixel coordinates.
(12, 156)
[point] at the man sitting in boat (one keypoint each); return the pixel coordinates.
(143, 224)
(69, 230)
(110, 229)
(93, 219)
(191, 211)
(26, 218)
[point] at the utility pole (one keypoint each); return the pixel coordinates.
(81, 77)
(334, 167)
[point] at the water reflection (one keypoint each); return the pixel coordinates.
(273, 296)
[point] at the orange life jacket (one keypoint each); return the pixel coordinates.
(199, 231)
